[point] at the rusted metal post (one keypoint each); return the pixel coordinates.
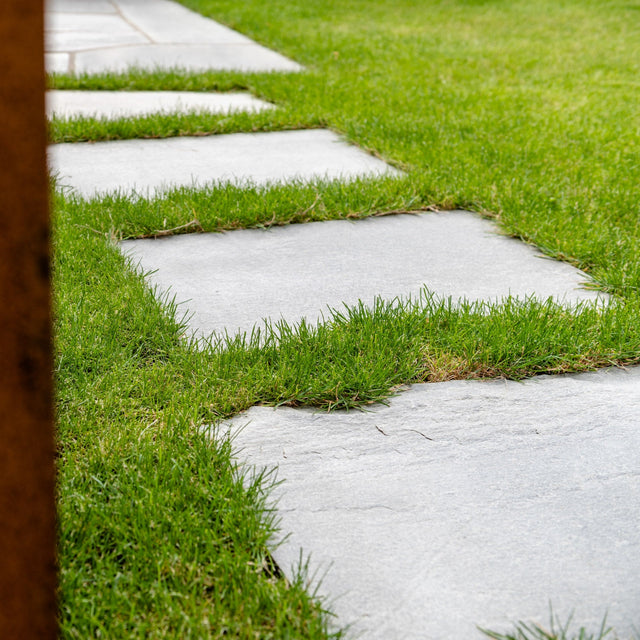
(27, 478)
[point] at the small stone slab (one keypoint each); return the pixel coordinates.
(125, 104)
(230, 281)
(149, 35)
(151, 166)
(463, 503)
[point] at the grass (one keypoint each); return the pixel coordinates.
(522, 111)
(556, 631)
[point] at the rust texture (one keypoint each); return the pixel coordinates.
(27, 476)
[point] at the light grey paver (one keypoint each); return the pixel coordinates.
(150, 35)
(68, 32)
(167, 22)
(150, 166)
(191, 57)
(121, 104)
(231, 281)
(463, 503)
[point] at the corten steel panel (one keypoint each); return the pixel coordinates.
(27, 478)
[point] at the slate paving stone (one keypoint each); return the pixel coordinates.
(123, 104)
(249, 58)
(148, 34)
(151, 166)
(462, 503)
(231, 281)
(110, 31)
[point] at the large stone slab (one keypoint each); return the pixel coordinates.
(124, 104)
(148, 34)
(151, 166)
(463, 503)
(230, 281)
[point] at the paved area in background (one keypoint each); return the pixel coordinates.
(463, 503)
(231, 281)
(87, 36)
(147, 167)
(112, 105)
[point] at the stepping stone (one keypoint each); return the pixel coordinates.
(125, 104)
(147, 167)
(462, 503)
(81, 6)
(83, 36)
(231, 281)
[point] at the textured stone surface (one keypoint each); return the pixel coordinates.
(231, 281)
(122, 104)
(148, 166)
(148, 34)
(463, 503)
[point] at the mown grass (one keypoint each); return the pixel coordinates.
(158, 536)
(522, 111)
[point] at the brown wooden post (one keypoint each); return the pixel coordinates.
(27, 479)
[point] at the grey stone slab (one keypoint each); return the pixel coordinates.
(123, 104)
(80, 6)
(171, 23)
(150, 35)
(231, 281)
(144, 166)
(73, 41)
(463, 503)
(197, 57)
(95, 24)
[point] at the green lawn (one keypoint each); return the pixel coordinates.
(525, 111)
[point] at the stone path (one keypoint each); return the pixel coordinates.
(111, 105)
(461, 503)
(93, 36)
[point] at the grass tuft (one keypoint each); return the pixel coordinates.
(556, 631)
